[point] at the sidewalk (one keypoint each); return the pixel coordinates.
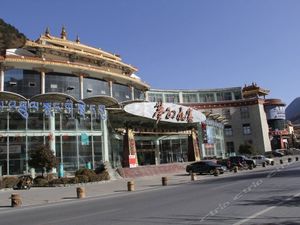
(46, 195)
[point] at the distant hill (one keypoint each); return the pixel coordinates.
(10, 37)
(292, 112)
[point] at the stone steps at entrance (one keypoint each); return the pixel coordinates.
(151, 170)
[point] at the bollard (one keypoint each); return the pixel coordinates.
(164, 181)
(235, 169)
(296, 158)
(193, 177)
(130, 185)
(289, 160)
(272, 163)
(281, 162)
(80, 192)
(263, 164)
(16, 200)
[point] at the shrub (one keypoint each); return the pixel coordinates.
(62, 181)
(9, 182)
(81, 179)
(104, 176)
(40, 181)
(86, 172)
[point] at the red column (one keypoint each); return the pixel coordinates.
(193, 147)
(129, 150)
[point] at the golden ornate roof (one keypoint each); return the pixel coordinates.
(253, 90)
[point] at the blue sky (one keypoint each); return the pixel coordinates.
(181, 44)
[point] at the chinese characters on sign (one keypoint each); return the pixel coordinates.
(68, 107)
(171, 113)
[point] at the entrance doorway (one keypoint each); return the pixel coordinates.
(145, 152)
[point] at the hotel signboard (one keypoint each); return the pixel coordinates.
(167, 112)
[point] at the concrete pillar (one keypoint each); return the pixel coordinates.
(132, 93)
(180, 97)
(110, 83)
(146, 95)
(105, 153)
(52, 135)
(43, 77)
(81, 86)
(1, 79)
(157, 153)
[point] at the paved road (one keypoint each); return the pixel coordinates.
(270, 196)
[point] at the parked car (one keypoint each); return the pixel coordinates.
(204, 167)
(241, 161)
(277, 153)
(260, 159)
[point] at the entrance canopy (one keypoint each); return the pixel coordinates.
(108, 101)
(53, 97)
(11, 96)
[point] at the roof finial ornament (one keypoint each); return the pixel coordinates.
(47, 32)
(63, 33)
(77, 39)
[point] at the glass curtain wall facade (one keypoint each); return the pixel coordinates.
(23, 82)
(77, 141)
(215, 146)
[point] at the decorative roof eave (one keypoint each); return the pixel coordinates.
(236, 103)
(108, 101)
(76, 45)
(43, 63)
(53, 97)
(11, 96)
(82, 53)
(132, 101)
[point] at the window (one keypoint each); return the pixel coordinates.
(220, 96)
(246, 129)
(227, 96)
(173, 98)
(22, 81)
(64, 83)
(139, 94)
(154, 97)
(208, 97)
(230, 146)
(244, 112)
(189, 98)
(228, 130)
(121, 92)
(226, 113)
(237, 95)
(94, 87)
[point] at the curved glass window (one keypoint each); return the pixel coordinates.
(63, 83)
(173, 98)
(139, 94)
(209, 97)
(191, 97)
(23, 82)
(121, 92)
(36, 121)
(16, 121)
(155, 97)
(93, 87)
(3, 120)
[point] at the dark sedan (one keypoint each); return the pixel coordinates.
(204, 167)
